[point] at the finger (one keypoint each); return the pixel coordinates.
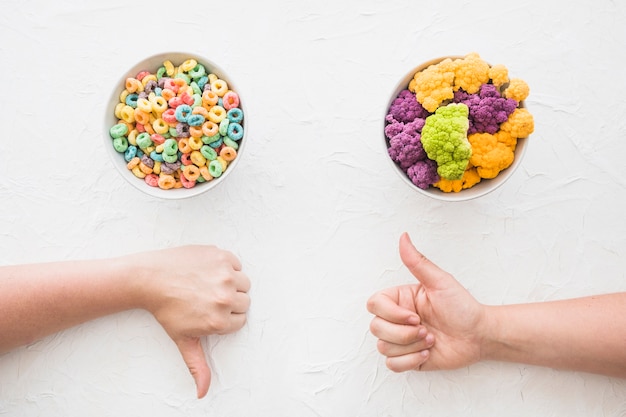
(412, 361)
(236, 322)
(242, 282)
(232, 259)
(241, 303)
(429, 274)
(399, 334)
(382, 305)
(193, 355)
(391, 349)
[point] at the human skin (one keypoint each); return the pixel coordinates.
(192, 291)
(436, 324)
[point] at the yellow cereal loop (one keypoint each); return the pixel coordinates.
(222, 162)
(197, 158)
(217, 114)
(188, 65)
(123, 96)
(118, 110)
(195, 143)
(159, 104)
(138, 173)
(212, 77)
(128, 114)
(169, 68)
(149, 77)
(157, 167)
(144, 105)
(160, 126)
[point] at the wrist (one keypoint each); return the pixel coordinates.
(492, 339)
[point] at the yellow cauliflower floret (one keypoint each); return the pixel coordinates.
(520, 124)
(470, 178)
(499, 75)
(470, 73)
(517, 90)
(489, 156)
(433, 85)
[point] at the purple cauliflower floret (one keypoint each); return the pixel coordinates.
(423, 173)
(487, 109)
(406, 150)
(393, 128)
(405, 108)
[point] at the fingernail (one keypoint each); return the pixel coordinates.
(414, 320)
(424, 353)
(422, 332)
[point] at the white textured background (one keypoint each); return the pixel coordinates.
(314, 210)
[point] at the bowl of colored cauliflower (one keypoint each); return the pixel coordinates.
(456, 128)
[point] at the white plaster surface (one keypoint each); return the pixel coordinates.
(314, 210)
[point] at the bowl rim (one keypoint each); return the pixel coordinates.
(117, 158)
(485, 186)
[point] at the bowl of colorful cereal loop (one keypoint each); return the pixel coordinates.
(456, 127)
(175, 125)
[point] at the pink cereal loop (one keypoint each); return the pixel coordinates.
(230, 100)
(152, 180)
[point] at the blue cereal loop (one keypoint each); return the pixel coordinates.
(131, 100)
(195, 120)
(155, 156)
(220, 102)
(158, 91)
(182, 112)
(235, 115)
(202, 81)
(217, 143)
(235, 131)
(130, 153)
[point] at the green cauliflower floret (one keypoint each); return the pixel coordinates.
(444, 137)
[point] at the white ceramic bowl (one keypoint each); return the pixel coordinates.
(151, 64)
(484, 186)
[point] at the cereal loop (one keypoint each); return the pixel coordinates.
(166, 182)
(217, 114)
(230, 100)
(152, 180)
(228, 153)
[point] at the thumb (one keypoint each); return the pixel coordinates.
(426, 272)
(194, 358)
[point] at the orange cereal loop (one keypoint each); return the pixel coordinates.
(167, 94)
(228, 153)
(210, 98)
(132, 85)
(201, 111)
(183, 146)
(138, 172)
(195, 131)
(133, 163)
(166, 181)
(204, 171)
(145, 168)
(141, 117)
(210, 128)
(178, 184)
(191, 172)
(149, 128)
(179, 82)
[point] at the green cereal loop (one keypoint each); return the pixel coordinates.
(143, 140)
(197, 71)
(173, 133)
(210, 139)
(120, 144)
(169, 158)
(160, 73)
(229, 142)
(208, 152)
(118, 130)
(195, 88)
(197, 100)
(183, 76)
(170, 147)
(200, 179)
(215, 168)
(224, 127)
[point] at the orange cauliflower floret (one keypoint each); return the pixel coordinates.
(499, 75)
(520, 124)
(470, 73)
(433, 85)
(489, 156)
(517, 90)
(470, 178)
(506, 139)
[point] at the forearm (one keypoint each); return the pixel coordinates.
(584, 334)
(40, 299)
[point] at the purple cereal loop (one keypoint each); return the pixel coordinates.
(147, 161)
(150, 86)
(162, 81)
(182, 130)
(170, 167)
(143, 94)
